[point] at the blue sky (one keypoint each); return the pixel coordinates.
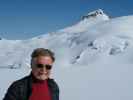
(23, 19)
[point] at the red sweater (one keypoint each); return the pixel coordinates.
(40, 91)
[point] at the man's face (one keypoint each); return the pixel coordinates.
(41, 73)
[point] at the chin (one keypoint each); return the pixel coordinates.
(41, 78)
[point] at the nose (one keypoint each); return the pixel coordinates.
(43, 69)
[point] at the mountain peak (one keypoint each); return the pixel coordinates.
(95, 13)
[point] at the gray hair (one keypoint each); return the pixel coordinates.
(42, 52)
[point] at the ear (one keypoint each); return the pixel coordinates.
(31, 63)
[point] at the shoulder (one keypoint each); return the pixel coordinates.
(21, 82)
(15, 89)
(52, 83)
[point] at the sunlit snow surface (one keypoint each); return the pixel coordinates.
(94, 59)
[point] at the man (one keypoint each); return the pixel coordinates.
(38, 85)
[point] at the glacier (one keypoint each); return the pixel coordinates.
(94, 58)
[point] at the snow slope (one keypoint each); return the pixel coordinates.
(93, 58)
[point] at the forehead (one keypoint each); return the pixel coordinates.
(43, 59)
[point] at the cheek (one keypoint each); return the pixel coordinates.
(35, 71)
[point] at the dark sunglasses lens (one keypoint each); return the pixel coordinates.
(39, 65)
(48, 67)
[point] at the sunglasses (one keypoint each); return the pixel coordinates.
(48, 67)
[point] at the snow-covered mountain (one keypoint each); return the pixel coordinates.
(87, 21)
(93, 58)
(96, 13)
(94, 36)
